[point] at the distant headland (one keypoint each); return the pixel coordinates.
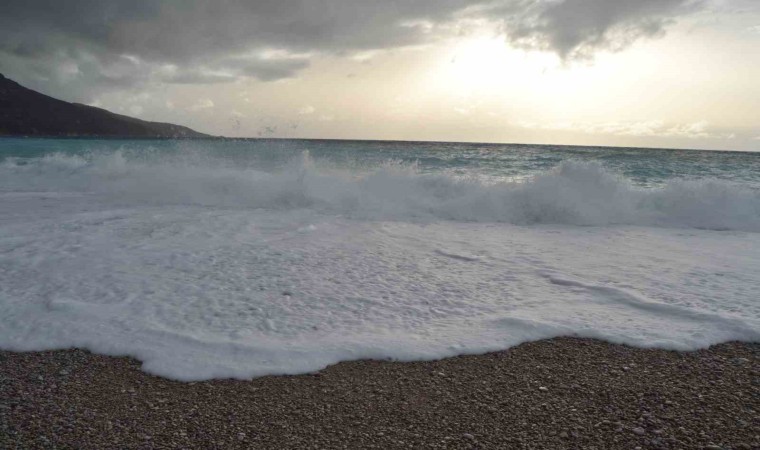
(24, 112)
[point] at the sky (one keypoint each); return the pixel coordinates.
(649, 73)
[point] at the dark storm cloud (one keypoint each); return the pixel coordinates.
(82, 44)
(191, 31)
(94, 45)
(267, 68)
(578, 28)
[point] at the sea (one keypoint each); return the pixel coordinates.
(242, 258)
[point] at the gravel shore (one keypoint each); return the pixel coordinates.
(558, 393)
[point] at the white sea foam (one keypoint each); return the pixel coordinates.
(203, 270)
(574, 193)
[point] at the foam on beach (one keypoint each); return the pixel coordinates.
(204, 270)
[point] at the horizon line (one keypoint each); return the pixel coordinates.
(400, 141)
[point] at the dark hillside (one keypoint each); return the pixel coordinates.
(24, 112)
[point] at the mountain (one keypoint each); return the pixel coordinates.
(24, 112)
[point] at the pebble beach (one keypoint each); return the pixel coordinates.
(551, 394)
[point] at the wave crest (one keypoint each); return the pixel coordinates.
(575, 193)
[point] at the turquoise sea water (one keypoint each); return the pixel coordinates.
(643, 166)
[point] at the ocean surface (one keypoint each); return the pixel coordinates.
(241, 258)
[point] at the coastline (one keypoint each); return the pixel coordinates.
(556, 393)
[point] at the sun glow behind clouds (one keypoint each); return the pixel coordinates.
(538, 85)
(487, 64)
(486, 70)
(487, 67)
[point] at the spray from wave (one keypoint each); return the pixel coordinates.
(574, 193)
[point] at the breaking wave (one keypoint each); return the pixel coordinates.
(575, 193)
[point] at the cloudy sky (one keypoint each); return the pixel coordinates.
(669, 73)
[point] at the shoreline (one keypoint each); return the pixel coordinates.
(555, 393)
